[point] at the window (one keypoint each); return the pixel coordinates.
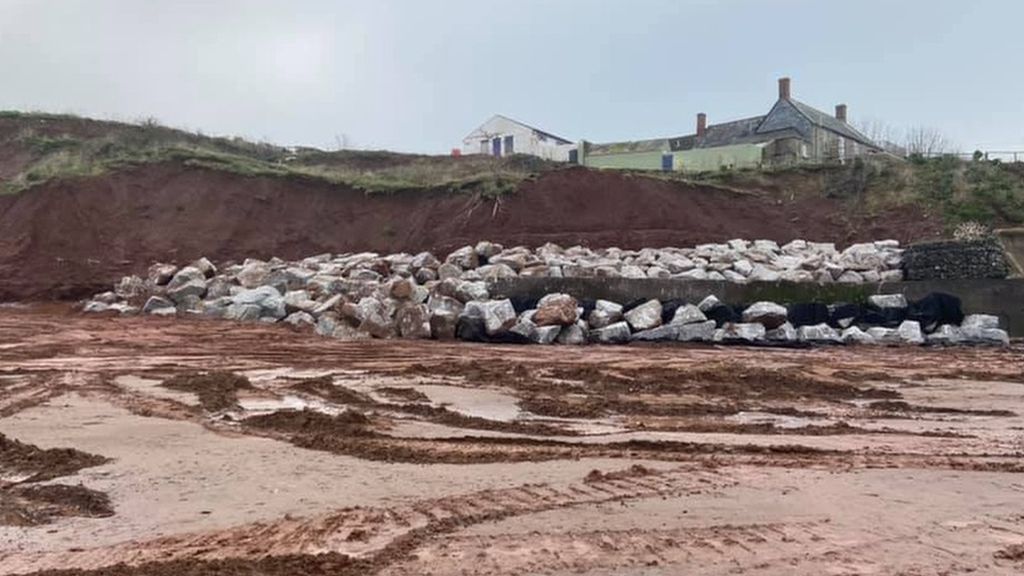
(509, 147)
(483, 146)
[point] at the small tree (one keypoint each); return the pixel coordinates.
(924, 141)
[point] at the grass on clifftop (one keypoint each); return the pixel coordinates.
(989, 192)
(55, 147)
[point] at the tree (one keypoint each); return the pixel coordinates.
(925, 141)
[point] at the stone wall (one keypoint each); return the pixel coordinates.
(955, 259)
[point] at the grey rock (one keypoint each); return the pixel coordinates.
(985, 335)
(469, 291)
(688, 314)
(980, 322)
(204, 265)
(130, 287)
(443, 324)
(608, 306)
(770, 314)
(465, 258)
(413, 321)
(818, 334)
(160, 274)
(708, 303)
(883, 335)
(545, 334)
(445, 271)
(947, 334)
(253, 273)
(617, 333)
(95, 306)
(243, 312)
(783, 333)
(179, 292)
(854, 335)
(574, 335)
(909, 332)
(665, 333)
(888, 300)
(326, 324)
(743, 332)
(697, 332)
(761, 273)
(300, 319)
(108, 297)
(645, 316)
(155, 303)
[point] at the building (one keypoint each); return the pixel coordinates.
(791, 132)
(502, 136)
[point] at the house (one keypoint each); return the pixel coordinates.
(789, 133)
(503, 136)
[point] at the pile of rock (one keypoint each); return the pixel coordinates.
(419, 296)
(955, 259)
(886, 320)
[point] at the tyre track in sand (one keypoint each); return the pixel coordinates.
(379, 532)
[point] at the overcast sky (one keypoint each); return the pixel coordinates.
(418, 75)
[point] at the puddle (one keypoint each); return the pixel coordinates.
(152, 387)
(778, 420)
(269, 374)
(256, 406)
(479, 402)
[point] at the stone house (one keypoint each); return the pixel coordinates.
(791, 132)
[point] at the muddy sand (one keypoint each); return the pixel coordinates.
(147, 446)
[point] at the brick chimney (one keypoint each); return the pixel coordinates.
(841, 112)
(784, 88)
(702, 124)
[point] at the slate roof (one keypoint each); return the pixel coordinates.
(829, 122)
(558, 139)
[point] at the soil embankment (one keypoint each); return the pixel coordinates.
(70, 238)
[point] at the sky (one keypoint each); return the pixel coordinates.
(418, 75)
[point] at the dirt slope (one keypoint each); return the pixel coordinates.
(70, 238)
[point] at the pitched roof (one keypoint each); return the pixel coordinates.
(742, 131)
(829, 122)
(538, 131)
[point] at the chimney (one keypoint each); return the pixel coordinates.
(702, 124)
(841, 112)
(783, 88)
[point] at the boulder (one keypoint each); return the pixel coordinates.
(253, 273)
(696, 332)
(545, 334)
(769, 314)
(743, 332)
(375, 319)
(326, 324)
(160, 274)
(413, 321)
(443, 324)
(573, 335)
(243, 312)
(470, 291)
(498, 315)
(946, 334)
(854, 335)
(761, 273)
(300, 301)
(465, 258)
(556, 310)
(179, 292)
(497, 271)
(446, 270)
(108, 297)
(882, 335)
(401, 288)
(664, 333)
(708, 303)
(884, 301)
(818, 334)
(424, 260)
(130, 288)
(299, 319)
(980, 322)
(688, 314)
(783, 333)
(644, 316)
(850, 277)
(909, 332)
(617, 333)
(485, 249)
(95, 306)
(204, 265)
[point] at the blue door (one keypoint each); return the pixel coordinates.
(496, 147)
(666, 162)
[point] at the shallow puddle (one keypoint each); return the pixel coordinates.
(152, 387)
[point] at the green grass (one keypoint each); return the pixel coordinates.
(64, 146)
